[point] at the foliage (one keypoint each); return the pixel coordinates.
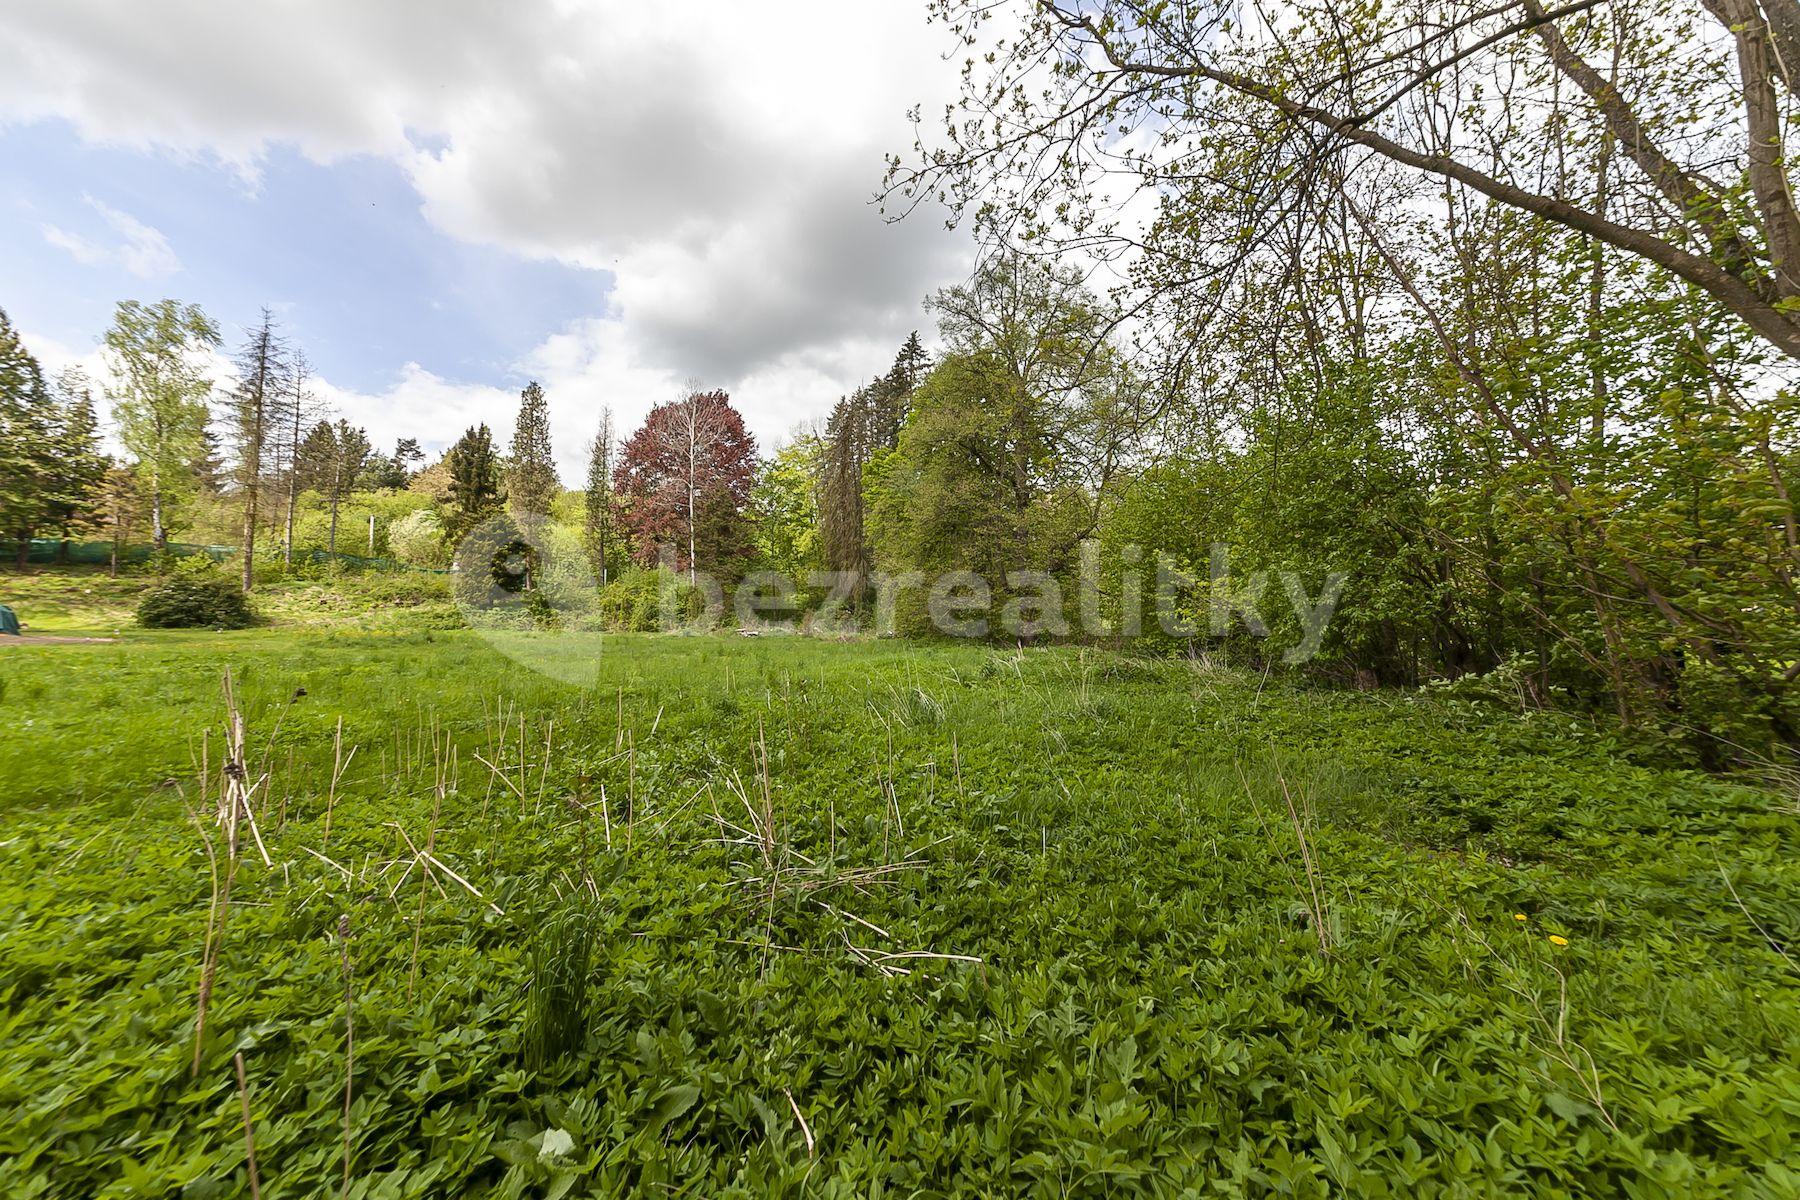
(158, 388)
(861, 425)
(473, 491)
(25, 422)
(785, 506)
(600, 515)
(686, 477)
(531, 472)
(195, 600)
(1151, 1012)
(418, 539)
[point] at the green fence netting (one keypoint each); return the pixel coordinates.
(46, 551)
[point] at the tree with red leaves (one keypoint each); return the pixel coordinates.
(686, 476)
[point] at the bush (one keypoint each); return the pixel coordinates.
(417, 539)
(189, 600)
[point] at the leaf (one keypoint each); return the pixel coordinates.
(671, 1104)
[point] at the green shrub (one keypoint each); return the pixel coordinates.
(191, 600)
(417, 539)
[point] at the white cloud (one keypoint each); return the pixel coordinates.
(140, 250)
(719, 159)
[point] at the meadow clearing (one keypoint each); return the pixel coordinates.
(780, 916)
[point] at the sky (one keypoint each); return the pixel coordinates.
(440, 199)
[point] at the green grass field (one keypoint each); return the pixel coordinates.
(748, 917)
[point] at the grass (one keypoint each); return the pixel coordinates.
(769, 916)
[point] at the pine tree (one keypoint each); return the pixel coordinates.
(532, 475)
(474, 481)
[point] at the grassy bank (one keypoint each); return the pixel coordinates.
(754, 917)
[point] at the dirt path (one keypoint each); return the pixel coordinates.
(44, 639)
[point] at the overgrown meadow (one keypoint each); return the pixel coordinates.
(780, 917)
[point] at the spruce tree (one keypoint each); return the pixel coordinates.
(532, 475)
(26, 425)
(474, 481)
(77, 471)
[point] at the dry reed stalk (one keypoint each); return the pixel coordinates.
(237, 1060)
(339, 764)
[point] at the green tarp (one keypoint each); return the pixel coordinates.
(8, 622)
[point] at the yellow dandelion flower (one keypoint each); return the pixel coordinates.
(1558, 940)
(1518, 916)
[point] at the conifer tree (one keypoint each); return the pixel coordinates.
(254, 417)
(531, 476)
(329, 460)
(77, 468)
(474, 481)
(25, 429)
(599, 517)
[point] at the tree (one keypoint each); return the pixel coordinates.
(418, 539)
(860, 425)
(395, 470)
(158, 391)
(76, 471)
(474, 490)
(1013, 443)
(26, 427)
(531, 476)
(785, 503)
(253, 415)
(122, 504)
(296, 407)
(1239, 126)
(600, 518)
(687, 474)
(330, 459)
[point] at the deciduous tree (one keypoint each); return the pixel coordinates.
(157, 355)
(687, 475)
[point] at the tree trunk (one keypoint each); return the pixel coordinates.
(159, 536)
(249, 539)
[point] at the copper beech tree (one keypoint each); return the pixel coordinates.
(686, 477)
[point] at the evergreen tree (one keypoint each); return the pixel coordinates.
(262, 369)
(474, 481)
(394, 470)
(26, 425)
(531, 476)
(600, 516)
(329, 461)
(862, 425)
(76, 476)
